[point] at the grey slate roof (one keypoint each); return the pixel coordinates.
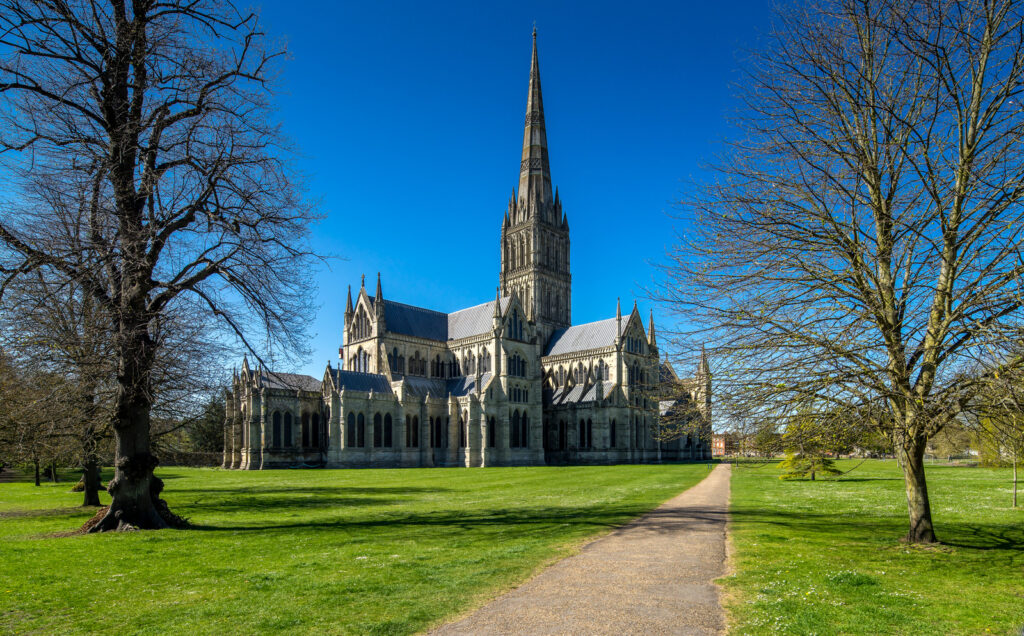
(442, 388)
(415, 321)
(290, 381)
(592, 335)
(575, 394)
(467, 385)
(422, 387)
(436, 325)
(356, 381)
(473, 320)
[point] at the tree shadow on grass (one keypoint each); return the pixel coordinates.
(975, 536)
(270, 505)
(858, 479)
(311, 490)
(542, 518)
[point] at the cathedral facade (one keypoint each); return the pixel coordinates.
(508, 382)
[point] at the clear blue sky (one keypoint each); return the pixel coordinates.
(409, 119)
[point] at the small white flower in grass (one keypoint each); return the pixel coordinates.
(360, 558)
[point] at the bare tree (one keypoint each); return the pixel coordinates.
(863, 237)
(28, 421)
(51, 326)
(51, 323)
(996, 417)
(153, 177)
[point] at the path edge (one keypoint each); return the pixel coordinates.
(725, 596)
(576, 550)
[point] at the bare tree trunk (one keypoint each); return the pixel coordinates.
(134, 490)
(912, 461)
(91, 482)
(90, 462)
(1015, 480)
(35, 462)
(53, 471)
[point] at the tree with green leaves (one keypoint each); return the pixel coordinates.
(807, 444)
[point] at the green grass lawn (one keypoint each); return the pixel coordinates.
(824, 557)
(338, 551)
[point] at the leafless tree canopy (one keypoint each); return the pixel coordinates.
(862, 239)
(151, 174)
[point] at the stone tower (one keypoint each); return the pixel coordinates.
(535, 231)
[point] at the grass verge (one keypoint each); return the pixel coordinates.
(825, 557)
(338, 551)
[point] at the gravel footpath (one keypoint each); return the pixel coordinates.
(653, 576)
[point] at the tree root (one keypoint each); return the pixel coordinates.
(117, 521)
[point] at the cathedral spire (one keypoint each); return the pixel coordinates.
(348, 303)
(618, 318)
(651, 339)
(380, 295)
(534, 172)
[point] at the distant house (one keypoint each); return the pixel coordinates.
(723, 444)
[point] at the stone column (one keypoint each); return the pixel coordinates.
(453, 433)
(334, 431)
(228, 413)
(475, 439)
(502, 421)
(485, 451)
(264, 438)
(236, 439)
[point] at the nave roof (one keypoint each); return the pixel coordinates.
(575, 394)
(289, 381)
(442, 388)
(591, 335)
(356, 381)
(418, 322)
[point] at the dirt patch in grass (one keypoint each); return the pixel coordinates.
(43, 512)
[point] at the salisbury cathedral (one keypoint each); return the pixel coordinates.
(509, 382)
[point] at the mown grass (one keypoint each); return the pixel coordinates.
(336, 551)
(825, 557)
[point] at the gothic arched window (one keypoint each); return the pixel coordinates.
(514, 430)
(412, 432)
(277, 430)
(288, 440)
(388, 433)
(350, 431)
(378, 431)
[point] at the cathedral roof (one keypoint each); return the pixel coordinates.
(291, 381)
(442, 388)
(435, 325)
(592, 335)
(575, 394)
(666, 373)
(356, 381)
(474, 320)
